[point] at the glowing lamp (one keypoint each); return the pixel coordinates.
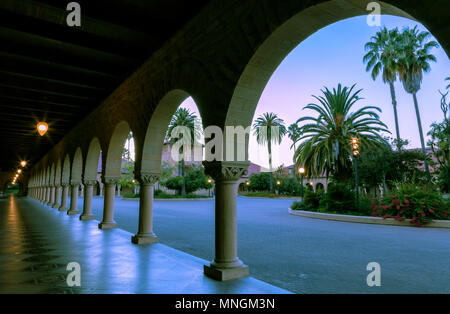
(301, 170)
(42, 128)
(23, 163)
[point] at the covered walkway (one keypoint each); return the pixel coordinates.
(38, 242)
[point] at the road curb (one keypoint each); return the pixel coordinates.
(366, 220)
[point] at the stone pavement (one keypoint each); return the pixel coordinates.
(37, 243)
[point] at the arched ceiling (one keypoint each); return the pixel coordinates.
(59, 74)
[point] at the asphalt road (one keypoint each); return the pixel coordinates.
(305, 255)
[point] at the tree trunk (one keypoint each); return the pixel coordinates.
(270, 165)
(394, 105)
(422, 140)
(183, 186)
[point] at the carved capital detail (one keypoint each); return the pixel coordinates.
(111, 181)
(75, 182)
(226, 171)
(90, 182)
(64, 184)
(147, 178)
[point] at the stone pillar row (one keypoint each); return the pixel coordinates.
(226, 264)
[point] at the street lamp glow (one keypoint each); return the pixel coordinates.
(278, 183)
(301, 170)
(42, 128)
(19, 171)
(23, 163)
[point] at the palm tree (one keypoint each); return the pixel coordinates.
(326, 140)
(414, 59)
(269, 129)
(382, 57)
(294, 134)
(184, 118)
(448, 79)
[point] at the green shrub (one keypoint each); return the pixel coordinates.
(313, 198)
(339, 199)
(303, 206)
(418, 204)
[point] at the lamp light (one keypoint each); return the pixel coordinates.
(42, 128)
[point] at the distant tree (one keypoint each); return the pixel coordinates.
(326, 146)
(184, 118)
(269, 129)
(414, 59)
(382, 57)
(440, 145)
(294, 134)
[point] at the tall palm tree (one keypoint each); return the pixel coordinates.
(294, 134)
(184, 118)
(269, 129)
(326, 139)
(382, 57)
(414, 59)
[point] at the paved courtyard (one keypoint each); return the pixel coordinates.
(37, 243)
(305, 255)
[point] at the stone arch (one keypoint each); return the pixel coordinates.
(279, 42)
(92, 158)
(52, 174)
(77, 167)
(114, 154)
(320, 186)
(65, 176)
(157, 128)
(58, 172)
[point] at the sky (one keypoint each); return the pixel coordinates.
(334, 55)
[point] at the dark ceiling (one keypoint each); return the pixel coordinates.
(59, 74)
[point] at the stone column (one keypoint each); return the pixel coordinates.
(47, 195)
(118, 190)
(108, 205)
(74, 199)
(56, 197)
(64, 197)
(226, 264)
(87, 204)
(145, 233)
(52, 196)
(101, 188)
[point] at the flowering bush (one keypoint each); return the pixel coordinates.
(419, 205)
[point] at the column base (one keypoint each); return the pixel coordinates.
(73, 212)
(141, 239)
(55, 205)
(225, 274)
(107, 225)
(63, 209)
(86, 217)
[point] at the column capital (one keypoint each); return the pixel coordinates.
(90, 182)
(65, 184)
(75, 182)
(111, 181)
(148, 178)
(226, 170)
